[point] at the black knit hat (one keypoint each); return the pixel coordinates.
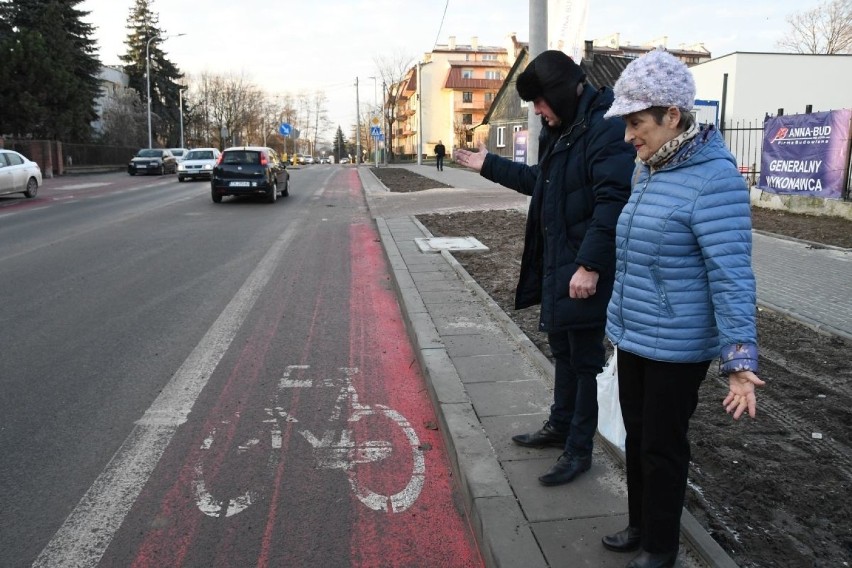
(553, 76)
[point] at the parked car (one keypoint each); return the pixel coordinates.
(18, 174)
(198, 164)
(179, 153)
(152, 160)
(309, 159)
(249, 170)
(344, 160)
(297, 159)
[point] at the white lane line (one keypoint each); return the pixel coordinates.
(87, 532)
(81, 186)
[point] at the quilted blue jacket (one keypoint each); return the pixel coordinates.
(684, 289)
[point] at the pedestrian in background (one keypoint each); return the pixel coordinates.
(684, 295)
(440, 152)
(578, 187)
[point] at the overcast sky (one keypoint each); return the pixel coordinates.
(325, 44)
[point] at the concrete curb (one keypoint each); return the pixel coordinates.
(489, 499)
(699, 539)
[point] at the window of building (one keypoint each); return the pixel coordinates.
(493, 75)
(489, 97)
(467, 73)
(469, 138)
(489, 57)
(467, 118)
(517, 128)
(467, 97)
(501, 137)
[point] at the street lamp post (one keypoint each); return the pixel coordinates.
(148, 77)
(180, 103)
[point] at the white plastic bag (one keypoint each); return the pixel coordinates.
(610, 422)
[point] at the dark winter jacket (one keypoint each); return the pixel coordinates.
(578, 189)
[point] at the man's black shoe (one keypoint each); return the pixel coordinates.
(623, 541)
(547, 436)
(654, 560)
(566, 469)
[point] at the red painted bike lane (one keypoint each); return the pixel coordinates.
(316, 452)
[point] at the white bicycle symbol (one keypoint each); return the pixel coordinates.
(334, 449)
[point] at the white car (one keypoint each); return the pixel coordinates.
(198, 163)
(179, 153)
(18, 174)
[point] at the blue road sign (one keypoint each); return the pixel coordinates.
(375, 131)
(284, 129)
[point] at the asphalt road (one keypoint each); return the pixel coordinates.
(192, 384)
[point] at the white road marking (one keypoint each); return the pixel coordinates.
(81, 186)
(87, 532)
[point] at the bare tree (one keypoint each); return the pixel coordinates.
(124, 120)
(231, 110)
(824, 29)
(321, 124)
(394, 72)
(460, 131)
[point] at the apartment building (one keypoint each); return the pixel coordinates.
(612, 45)
(113, 82)
(456, 84)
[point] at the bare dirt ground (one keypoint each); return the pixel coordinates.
(774, 491)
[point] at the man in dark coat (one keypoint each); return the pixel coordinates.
(440, 152)
(578, 188)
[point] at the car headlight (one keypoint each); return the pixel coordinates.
(181, 167)
(207, 167)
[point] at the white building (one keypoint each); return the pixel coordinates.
(761, 83)
(113, 81)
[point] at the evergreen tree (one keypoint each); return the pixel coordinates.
(339, 145)
(48, 82)
(144, 35)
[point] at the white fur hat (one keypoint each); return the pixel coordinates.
(658, 78)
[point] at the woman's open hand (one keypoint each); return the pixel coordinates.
(741, 395)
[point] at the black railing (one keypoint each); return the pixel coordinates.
(89, 155)
(745, 141)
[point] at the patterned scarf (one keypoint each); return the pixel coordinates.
(662, 156)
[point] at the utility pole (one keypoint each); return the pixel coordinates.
(385, 125)
(420, 114)
(538, 43)
(375, 108)
(358, 122)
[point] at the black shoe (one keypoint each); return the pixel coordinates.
(654, 560)
(566, 469)
(623, 541)
(547, 436)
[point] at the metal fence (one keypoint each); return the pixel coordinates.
(80, 155)
(745, 141)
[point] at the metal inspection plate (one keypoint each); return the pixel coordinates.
(436, 244)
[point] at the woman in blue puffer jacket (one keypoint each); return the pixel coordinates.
(684, 294)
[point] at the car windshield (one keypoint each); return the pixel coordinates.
(150, 153)
(177, 152)
(199, 155)
(241, 157)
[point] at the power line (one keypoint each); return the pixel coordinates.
(442, 24)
